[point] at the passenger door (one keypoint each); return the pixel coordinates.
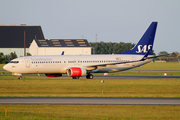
(27, 62)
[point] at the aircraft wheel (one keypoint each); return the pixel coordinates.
(20, 77)
(75, 77)
(89, 76)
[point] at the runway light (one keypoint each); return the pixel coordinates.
(164, 74)
(105, 73)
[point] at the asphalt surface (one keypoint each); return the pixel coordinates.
(135, 71)
(117, 76)
(107, 76)
(89, 101)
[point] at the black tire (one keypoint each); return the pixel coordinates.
(88, 76)
(75, 77)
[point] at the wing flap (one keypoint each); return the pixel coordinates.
(98, 66)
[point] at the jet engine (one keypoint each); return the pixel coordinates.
(76, 72)
(53, 75)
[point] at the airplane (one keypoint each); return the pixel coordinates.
(76, 66)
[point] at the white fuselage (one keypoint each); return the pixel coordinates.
(76, 66)
(60, 63)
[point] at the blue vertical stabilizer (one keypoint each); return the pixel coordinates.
(145, 43)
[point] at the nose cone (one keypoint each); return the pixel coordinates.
(6, 67)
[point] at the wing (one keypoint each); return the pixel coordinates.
(92, 67)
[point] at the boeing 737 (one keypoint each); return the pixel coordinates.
(76, 66)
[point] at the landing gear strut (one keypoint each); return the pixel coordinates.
(89, 76)
(75, 77)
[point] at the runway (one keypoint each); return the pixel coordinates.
(89, 101)
(117, 76)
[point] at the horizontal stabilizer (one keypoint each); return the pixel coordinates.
(158, 56)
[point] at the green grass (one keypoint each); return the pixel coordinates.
(1, 66)
(141, 73)
(116, 73)
(91, 112)
(160, 66)
(89, 88)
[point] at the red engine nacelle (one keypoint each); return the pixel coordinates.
(76, 72)
(53, 75)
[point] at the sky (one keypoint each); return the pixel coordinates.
(112, 20)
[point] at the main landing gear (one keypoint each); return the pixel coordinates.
(75, 77)
(89, 76)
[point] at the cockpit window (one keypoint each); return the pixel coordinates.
(14, 62)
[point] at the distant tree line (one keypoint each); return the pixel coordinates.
(116, 48)
(7, 58)
(103, 48)
(110, 48)
(175, 56)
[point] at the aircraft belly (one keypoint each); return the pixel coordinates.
(45, 69)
